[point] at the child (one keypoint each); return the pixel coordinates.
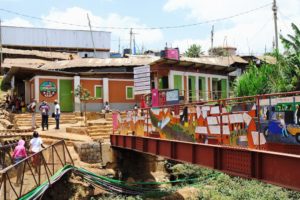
(18, 155)
(36, 145)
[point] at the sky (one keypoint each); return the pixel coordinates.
(251, 33)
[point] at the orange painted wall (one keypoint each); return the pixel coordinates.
(90, 86)
(117, 91)
(48, 99)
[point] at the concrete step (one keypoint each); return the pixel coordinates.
(100, 137)
(28, 124)
(50, 121)
(99, 134)
(100, 131)
(99, 127)
(40, 118)
(99, 123)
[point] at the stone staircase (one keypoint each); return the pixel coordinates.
(100, 130)
(24, 120)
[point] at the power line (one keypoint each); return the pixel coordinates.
(141, 28)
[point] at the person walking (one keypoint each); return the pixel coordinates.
(297, 115)
(56, 113)
(36, 145)
(44, 108)
(31, 108)
(18, 155)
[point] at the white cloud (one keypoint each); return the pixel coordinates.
(17, 22)
(76, 15)
(250, 33)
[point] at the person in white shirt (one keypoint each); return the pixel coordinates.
(36, 145)
(106, 107)
(56, 113)
(31, 108)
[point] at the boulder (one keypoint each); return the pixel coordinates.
(6, 123)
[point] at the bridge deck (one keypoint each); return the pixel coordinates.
(276, 168)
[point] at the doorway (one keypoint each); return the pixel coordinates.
(192, 88)
(66, 96)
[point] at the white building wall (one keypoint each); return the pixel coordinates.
(41, 37)
(99, 54)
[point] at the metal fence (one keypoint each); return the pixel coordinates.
(20, 178)
(255, 122)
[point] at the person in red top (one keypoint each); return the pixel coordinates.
(18, 155)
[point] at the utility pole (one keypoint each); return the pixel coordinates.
(212, 37)
(91, 34)
(1, 55)
(275, 9)
(134, 47)
(119, 45)
(130, 46)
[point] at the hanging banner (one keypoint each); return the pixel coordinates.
(115, 117)
(48, 89)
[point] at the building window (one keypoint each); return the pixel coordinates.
(98, 92)
(129, 92)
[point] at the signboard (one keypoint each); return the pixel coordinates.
(172, 96)
(137, 76)
(142, 92)
(142, 84)
(48, 89)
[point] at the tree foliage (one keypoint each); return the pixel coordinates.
(194, 51)
(292, 42)
(283, 76)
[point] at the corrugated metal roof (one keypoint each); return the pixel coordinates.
(23, 62)
(216, 60)
(139, 60)
(94, 62)
(42, 54)
(268, 59)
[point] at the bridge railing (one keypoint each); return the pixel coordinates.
(256, 122)
(21, 178)
(6, 150)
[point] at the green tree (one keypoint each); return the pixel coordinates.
(292, 47)
(292, 43)
(84, 96)
(283, 76)
(194, 51)
(254, 81)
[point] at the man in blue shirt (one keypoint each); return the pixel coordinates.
(44, 109)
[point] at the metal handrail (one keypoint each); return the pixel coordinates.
(4, 173)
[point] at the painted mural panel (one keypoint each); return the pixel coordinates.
(239, 125)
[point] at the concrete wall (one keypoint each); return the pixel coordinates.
(121, 106)
(99, 54)
(97, 107)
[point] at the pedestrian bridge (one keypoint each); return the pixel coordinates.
(20, 181)
(238, 136)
